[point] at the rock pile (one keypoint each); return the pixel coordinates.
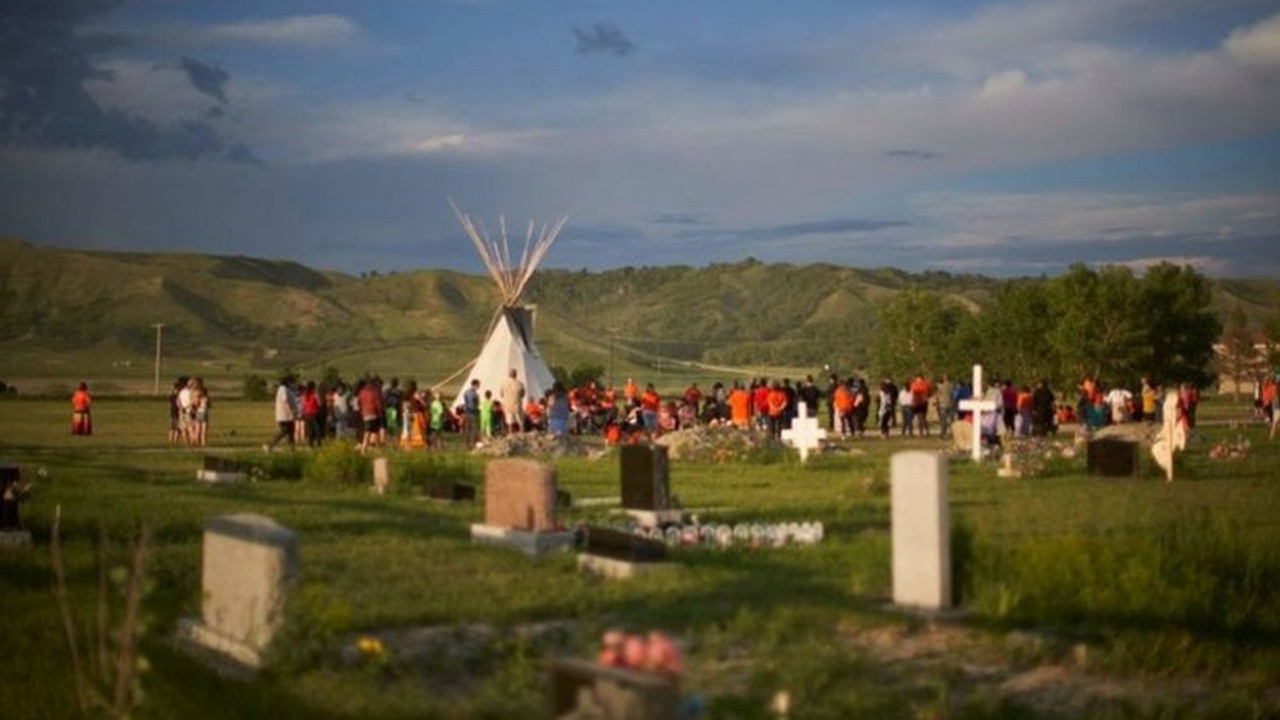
(717, 443)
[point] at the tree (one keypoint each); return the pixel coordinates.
(1239, 358)
(918, 332)
(1098, 327)
(1180, 327)
(1011, 332)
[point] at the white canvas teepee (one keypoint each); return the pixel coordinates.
(510, 344)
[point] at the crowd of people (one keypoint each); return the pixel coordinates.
(189, 412)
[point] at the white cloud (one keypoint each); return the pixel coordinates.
(303, 31)
(1258, 44)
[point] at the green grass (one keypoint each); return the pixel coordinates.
(1178, 582)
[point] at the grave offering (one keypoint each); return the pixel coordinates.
(617, 554)
(1007, 467)
(646, 494)
(520, 508)
(381, 476)
(977, 405)
(921, 535)
(250, 561)
(583, 690)
(11, 492)
(220, 470)
(804, 434)
(1113, 457)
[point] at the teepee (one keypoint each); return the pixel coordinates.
(510, 345)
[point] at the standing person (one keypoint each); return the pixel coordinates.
(81, 402)
(1009, 401)
(1150, 399)
(435, 429)
(885, 410)
(286, 410)
(558, 410)
(471, 414)
(392, 407)
(809, 394)
(512, 396)
(861, 406)
(777, 408)
(486, 415)
(369, 401)
(921, 391)
(833, 415)
(186, 412)
(650, 404)
(175, 412)
(842, 402)
(907, 404)
(312, 415)
(739, 406)
(200, 411)
(1043, 411)
(944, 402)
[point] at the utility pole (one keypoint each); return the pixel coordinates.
(159, 331)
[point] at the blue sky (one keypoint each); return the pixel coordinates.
(1006, 138)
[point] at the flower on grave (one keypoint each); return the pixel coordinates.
(653, 652)
(371, 648)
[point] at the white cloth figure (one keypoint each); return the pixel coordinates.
(1172, 437)
(1118, 400)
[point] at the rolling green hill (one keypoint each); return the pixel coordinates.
(67, 314)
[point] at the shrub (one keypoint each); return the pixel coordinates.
(255, 388)
(338, 463)
(423, 471)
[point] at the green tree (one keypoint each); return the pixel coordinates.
(1238, 360)
(1098, 328)
(918, 333)
(1179, 326)
(1010, 332)
(255, 388)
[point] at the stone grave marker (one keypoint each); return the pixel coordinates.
(216, 469)
(520, 507)
(1112, 457)
(617, 554)
(583, 690)
(646, 481)
(381, 476)
(450, 492)
(977, 405)
(804, 434)
(249, 563)
(11, 532)
(921, 531)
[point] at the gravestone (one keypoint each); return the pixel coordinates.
(449, 491)
(617, 554)
(921, 531)
(216, 469)
(977, 405)
(583, 690)
(804, 434)
(381, 476)
(249, 563)
(11, 532)
(646, 493)
(520, 507)
(1112, 457)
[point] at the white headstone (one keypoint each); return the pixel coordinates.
(249, 563)
(804, 434)
(921, 530)
(381, 476)
(977, 405)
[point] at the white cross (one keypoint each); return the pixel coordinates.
(977, 405)
(804, 434)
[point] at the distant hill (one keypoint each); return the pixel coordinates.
(69, 311)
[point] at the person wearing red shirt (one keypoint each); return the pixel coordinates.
(650, 402)
(776, 406)
(739, 406)
(81, 421)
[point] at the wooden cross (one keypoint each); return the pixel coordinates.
(804, 434)
(977, 405)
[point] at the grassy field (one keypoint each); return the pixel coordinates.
(1080, 597)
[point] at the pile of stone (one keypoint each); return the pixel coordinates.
(1231, 450)
(716, 443)
(743, 535)
(534, 444)
(1143, 433)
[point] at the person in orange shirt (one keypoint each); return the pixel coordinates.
(921, 392)
(777, 405)
(842, 401)
(739, 406)
(650, 402)
(630, 391)
(81, 421)
(1024, 411)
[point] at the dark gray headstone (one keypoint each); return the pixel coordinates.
(451, 491)
(645, 477)
(213, 463)
(619, 545)
(1113, 457)
(10, 476)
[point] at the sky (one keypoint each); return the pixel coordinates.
(998, 138)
